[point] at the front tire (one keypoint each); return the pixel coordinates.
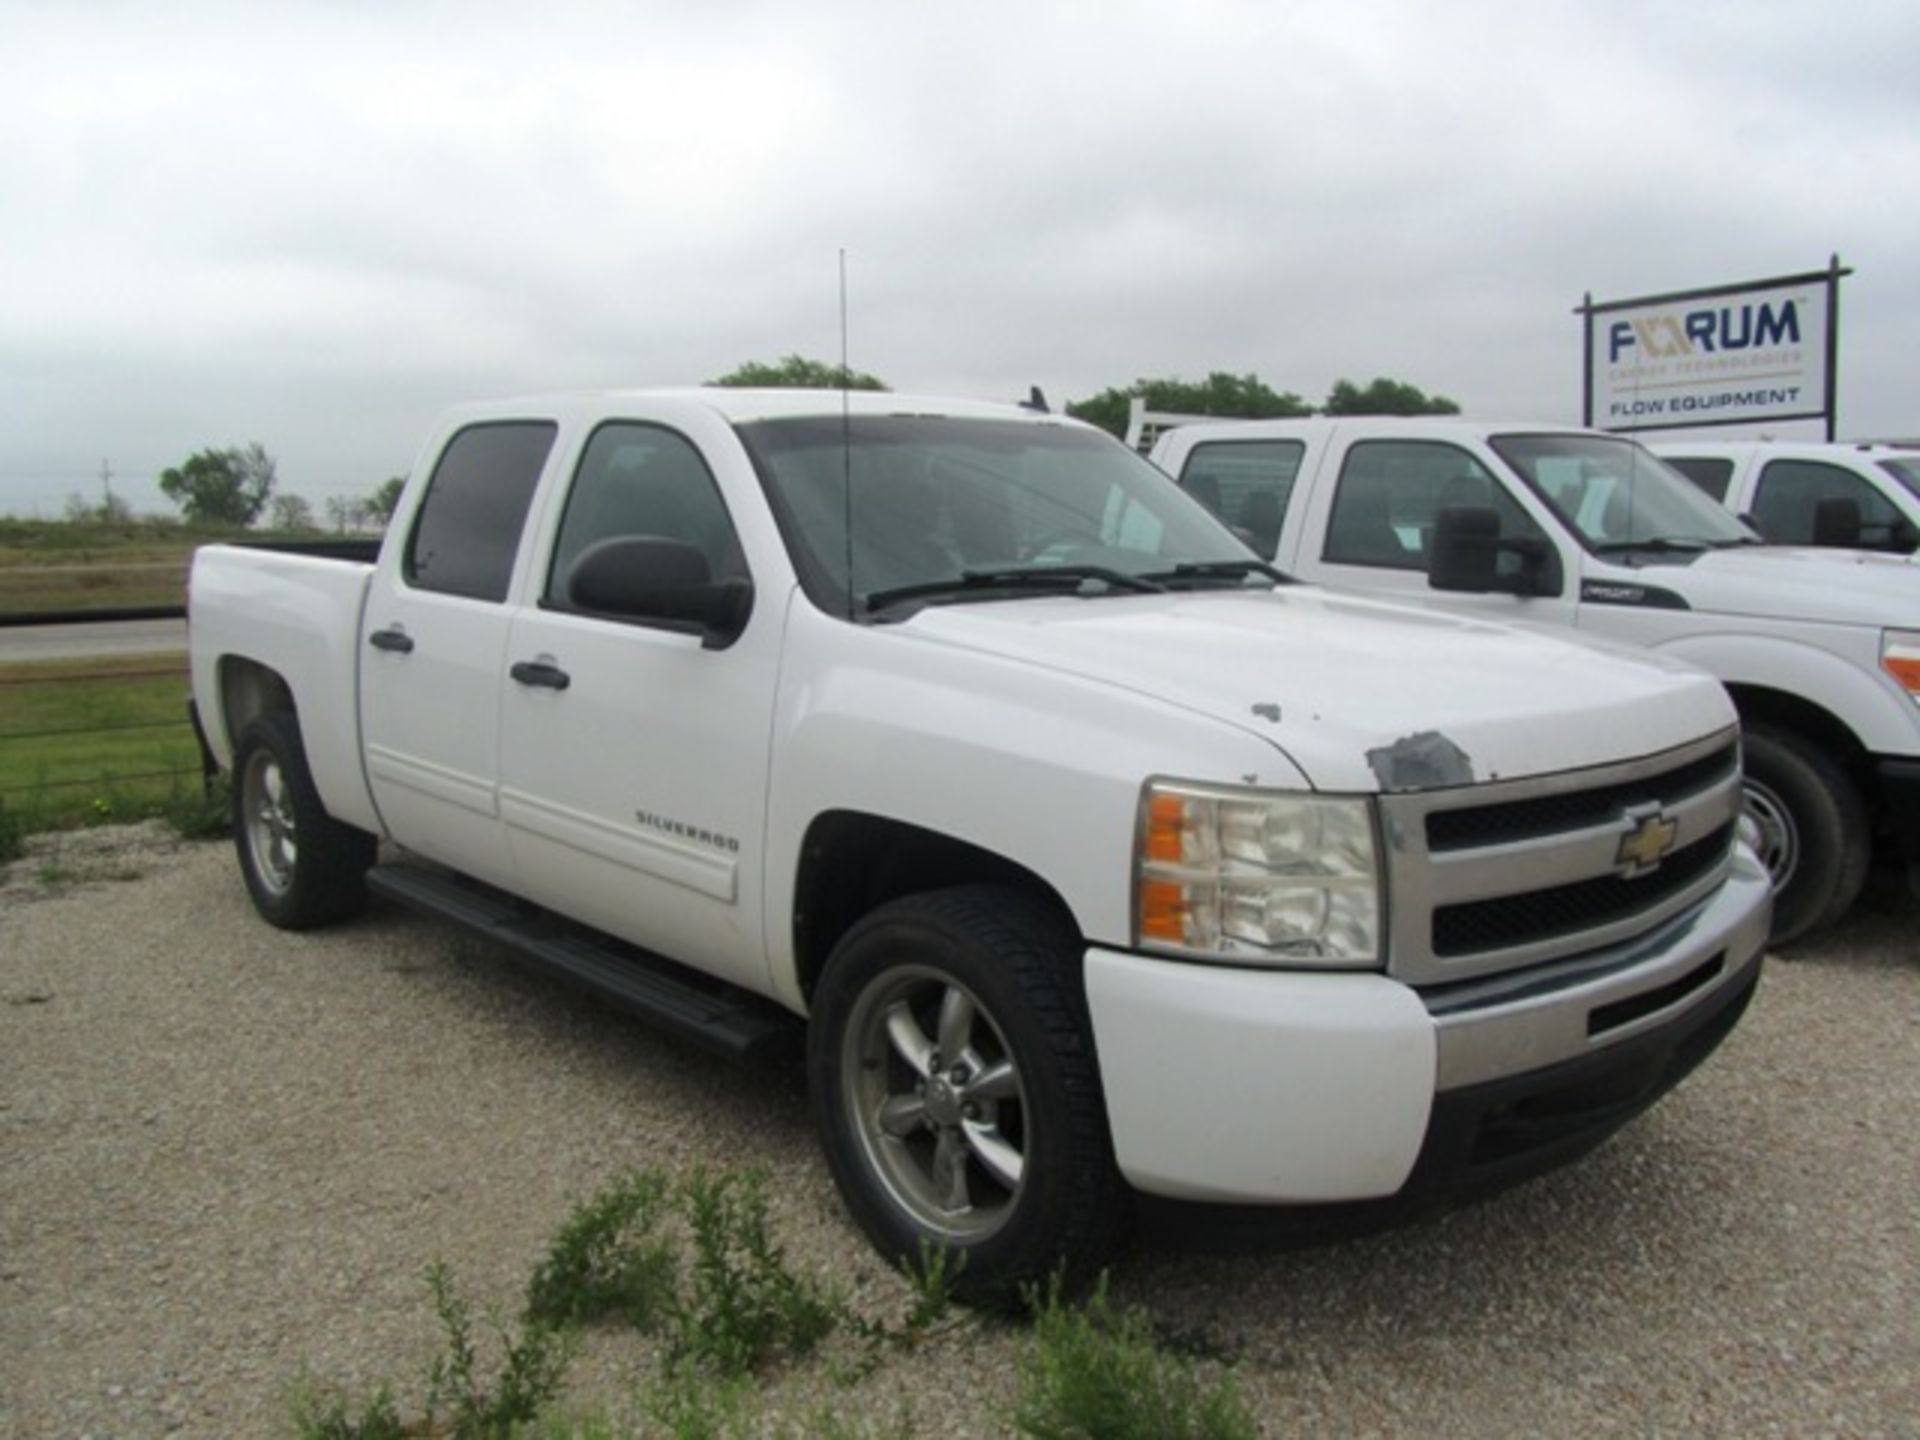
(1812, 829)
(303, 868)
(956, 1093)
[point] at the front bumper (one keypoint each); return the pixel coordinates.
(1899, 796)
(1277, 1088)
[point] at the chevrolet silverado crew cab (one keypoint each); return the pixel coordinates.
(1088, 859)
(1856, 497)
(1820, 649)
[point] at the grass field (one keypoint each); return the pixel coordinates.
(90, 564)
(85, 741)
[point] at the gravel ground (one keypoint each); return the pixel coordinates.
(227, 1156)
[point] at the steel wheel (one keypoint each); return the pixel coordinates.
(1771, 831)
(937, 1101)
(270, 822)
(302, 867)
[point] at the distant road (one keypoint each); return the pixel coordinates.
(74, 642)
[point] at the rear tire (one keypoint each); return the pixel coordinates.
(956, 1093)
(1813, 830)
(303, 868)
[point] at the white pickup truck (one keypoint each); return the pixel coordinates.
(1820, 649)
(1092, 863)
(1796, 492)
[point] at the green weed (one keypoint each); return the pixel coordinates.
(745, 1303)
(607, 1261)
(1090, 1371)
(530, 1374)
(331, 1417)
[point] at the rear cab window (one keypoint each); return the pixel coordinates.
(1247, 483)
(467, 531)
(1710, 473)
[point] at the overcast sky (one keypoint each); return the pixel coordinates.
(314, 225)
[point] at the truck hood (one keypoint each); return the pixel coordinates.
(1780, 582)
(1361, 695)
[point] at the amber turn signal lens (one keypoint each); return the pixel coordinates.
(1163, 908)
(1166, 822)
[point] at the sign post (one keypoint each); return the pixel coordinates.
(1764, 350)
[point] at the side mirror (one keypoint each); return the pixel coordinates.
(1465, 553)
(1836, 522)
(1906, 535)
(655, 581)
(1466, 549)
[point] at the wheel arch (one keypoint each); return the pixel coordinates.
(248, 690)
(852, 861)
(1763, 705)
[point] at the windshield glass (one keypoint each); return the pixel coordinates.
(937, 498)
(1906, 470)
(1614, 494)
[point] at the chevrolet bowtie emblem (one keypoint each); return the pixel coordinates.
(1642, 847)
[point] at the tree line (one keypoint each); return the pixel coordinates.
(236, 486)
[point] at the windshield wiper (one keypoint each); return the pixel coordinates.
(1044, 577)
(1220, 570)
(1663, 545)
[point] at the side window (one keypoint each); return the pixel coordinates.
(1247, 483)
(1709, 473)
(643, 480)
(464, 538)
(1790, 491)
(1389, 492)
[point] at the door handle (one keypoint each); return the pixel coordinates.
(392, 638)
(539, 672)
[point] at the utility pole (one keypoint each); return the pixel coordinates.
(106, 489)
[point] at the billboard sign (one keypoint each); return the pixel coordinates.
(1732, 355)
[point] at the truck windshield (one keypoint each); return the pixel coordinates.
(1617, 496)
(1906, 470)
(949, 509)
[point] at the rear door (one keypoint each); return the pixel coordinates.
(434, 643)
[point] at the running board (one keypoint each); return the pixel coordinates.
(710, 1013)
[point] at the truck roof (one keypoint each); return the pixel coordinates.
(746, 404)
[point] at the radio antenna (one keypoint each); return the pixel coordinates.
(846, 428)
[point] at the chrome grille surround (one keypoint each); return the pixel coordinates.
(1702, 799)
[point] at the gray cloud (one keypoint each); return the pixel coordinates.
(315, 225)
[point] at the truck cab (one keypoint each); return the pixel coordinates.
(1853, 497)
(1591, 534)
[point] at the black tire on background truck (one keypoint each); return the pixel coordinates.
(302, 867)
(954, 1086)
(1813, 830)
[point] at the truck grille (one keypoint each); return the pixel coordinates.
(1511, 920)
(1494, 877)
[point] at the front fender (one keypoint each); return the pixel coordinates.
(1040, 768)
(1857, 693)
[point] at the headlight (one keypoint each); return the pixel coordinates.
(1257, 877)
(1900, 658)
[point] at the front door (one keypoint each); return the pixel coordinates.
(634, 769)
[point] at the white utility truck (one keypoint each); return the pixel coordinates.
(1093, 864)
(1820, 649)
(1855, 497)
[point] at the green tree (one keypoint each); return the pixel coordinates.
(1386, 397)
(290, 512)
(221, 487)
(797, 372)
(385, 497)
(1239, 397)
